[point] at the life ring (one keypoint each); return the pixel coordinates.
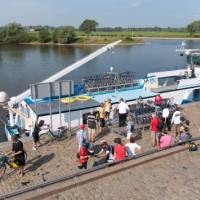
(68, 100)
(83, 98)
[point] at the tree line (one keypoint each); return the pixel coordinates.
(15, 33)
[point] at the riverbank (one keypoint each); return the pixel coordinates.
(139, 41)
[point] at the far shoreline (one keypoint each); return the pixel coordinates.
(102, 44)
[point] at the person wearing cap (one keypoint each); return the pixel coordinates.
(18, 154)
(81, 135)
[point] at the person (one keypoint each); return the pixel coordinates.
(92, 124)
(132, 148)
(119, 150)
(176, 120)
(108, 107)
(18, 154)
(102, 116)
(166, 119)
(185, 135)
(84, 155)
(165, 140)
(123, 110)
(81, 136)
(129, 128)
(36, 138)
(158, 100)
(154, 129)
(105, 154)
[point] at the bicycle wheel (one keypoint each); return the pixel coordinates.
(46, 137)
(59, 135)
(2, 171)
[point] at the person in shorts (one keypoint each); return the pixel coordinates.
(154, 130)
(35, 134)
(92, 124)
(102, 116)
(18, 154)
(108, 107)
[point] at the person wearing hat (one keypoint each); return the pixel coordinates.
(18, 154)
(81, 135)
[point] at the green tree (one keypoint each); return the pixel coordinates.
(55, 36)
(193, 27)
(44, 36)
(66, 35)
(14, 33)
(88, 26)
(2, 34)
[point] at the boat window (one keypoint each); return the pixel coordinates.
(167, 81)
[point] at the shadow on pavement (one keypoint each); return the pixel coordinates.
(39, 162)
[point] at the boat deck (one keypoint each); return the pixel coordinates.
(43, 107)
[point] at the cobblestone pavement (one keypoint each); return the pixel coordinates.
(59, 158)
(171, 178)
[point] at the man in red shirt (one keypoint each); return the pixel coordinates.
(119, 150)
(154, 130)
(158, 100)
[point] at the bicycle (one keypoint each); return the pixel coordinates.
(5, 161)
(60, 134)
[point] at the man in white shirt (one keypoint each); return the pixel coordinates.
(176, 120)
(166, 120)
(123, 110)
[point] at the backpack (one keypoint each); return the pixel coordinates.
(193, 147)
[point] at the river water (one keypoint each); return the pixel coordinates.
(21, 65)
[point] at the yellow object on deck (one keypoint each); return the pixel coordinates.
(83, 98)
(68, 100)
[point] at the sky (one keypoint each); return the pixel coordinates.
(108, 13)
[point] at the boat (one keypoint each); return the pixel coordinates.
(66, 103)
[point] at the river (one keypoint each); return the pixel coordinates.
(21, 65)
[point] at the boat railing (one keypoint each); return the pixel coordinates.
(111, 87)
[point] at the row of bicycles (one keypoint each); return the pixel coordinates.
(140, 114)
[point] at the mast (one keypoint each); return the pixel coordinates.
(67, 70)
